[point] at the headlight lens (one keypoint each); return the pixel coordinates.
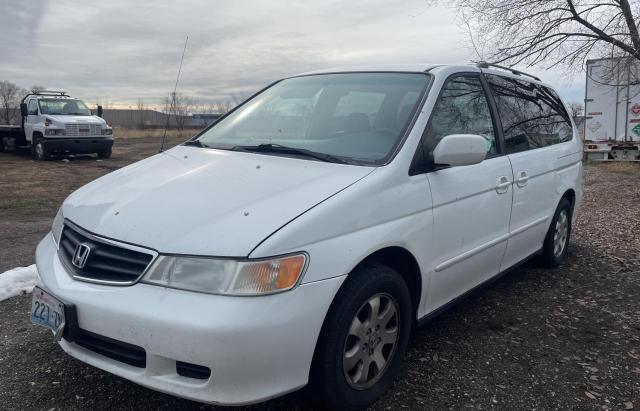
(107, 131)
(57, 226)
(227, 276)
(54, 132)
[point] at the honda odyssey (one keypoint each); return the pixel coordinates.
(299, 239)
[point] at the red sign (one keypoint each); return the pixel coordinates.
(635, 109)
(595, 113)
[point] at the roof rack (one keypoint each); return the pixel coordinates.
(484, 64)
(45, 93)
(48, 93)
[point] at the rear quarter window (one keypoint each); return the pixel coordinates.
(532, 115)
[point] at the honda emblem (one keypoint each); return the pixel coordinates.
(81, 255)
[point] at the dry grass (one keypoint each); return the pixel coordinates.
(136, 133)
(621, 167)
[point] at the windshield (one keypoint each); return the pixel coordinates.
(356, 117)
(70, 107)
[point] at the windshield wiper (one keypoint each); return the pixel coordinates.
(279, 148)
(195, 143)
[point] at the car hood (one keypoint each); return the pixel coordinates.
(76, 119)
(197, 201)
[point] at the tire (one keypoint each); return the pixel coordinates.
(556, 241)
(106, 153)
(337, 377)
(39, 150)
(1, 144)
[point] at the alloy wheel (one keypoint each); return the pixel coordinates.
(560, 234)
(371, 341)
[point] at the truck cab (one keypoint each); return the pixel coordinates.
(56, 123)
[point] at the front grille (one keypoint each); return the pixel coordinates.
(105, 262)
(82, 130)
(110, 348)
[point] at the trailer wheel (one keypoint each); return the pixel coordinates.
(39, 150)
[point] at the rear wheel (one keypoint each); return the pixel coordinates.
(557, 240)
(39, 150)
(363, 340)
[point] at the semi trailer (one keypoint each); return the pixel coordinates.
(52, 122)
(612, 110)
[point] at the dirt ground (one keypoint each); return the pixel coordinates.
(567, 338)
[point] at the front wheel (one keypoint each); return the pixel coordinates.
(39, 150)
(106, 153)
(556, 242)
(363, 340)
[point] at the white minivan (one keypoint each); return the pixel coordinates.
(301, 237)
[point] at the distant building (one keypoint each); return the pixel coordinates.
(130, 118)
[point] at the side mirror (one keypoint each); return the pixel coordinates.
(460, 150)
(23, 110)
(99, 111)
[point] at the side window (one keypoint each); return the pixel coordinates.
(532, 116)
(32, 108)
(461, 109)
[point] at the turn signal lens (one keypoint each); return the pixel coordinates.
(269, 276)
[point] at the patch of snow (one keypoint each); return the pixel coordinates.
(17, 281)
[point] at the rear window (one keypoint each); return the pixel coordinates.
(532, 115)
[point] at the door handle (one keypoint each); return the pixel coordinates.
(522, 179)
(502, 186)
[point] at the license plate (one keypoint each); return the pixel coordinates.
(47, 311)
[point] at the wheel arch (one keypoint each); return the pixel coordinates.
(403, 261)
(570, 195)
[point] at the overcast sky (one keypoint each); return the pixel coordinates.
(118, 51)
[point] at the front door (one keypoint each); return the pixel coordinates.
(471, 204)
(32, 117)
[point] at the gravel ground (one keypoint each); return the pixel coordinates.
(567, 338)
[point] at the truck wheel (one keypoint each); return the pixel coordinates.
(1, 144)
(39, 150)
(106, 153)
(556, 242)
(363, 339)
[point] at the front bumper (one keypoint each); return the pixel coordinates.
(256, 347)
(78, 145)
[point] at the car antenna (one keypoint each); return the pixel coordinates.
(175, 88)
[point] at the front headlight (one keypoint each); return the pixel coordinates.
(107, 131)
(57, 226)
(227, 276)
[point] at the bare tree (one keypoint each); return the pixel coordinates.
(142, 112)
(576, 109)
(9, 101)
(224, 106)
(180, 106)
(554, 32)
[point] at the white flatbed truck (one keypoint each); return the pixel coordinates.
(53, 122)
